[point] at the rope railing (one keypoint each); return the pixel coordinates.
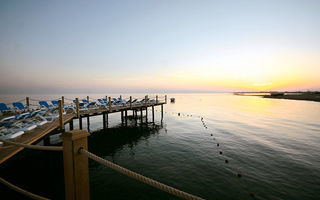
(45, 99)
(20, 100)
(22, 191)
(35, 147)
(139, 177)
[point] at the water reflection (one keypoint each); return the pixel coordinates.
(108, 142)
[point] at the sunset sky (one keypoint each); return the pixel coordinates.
(132, 46)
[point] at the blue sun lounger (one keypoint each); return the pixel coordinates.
(14, 126)
(56, 104)
(4, 108)
(88, 103)
(19, 106)
(44, 104)
(101, 102)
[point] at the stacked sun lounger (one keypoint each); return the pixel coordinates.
(14, 126)
(22, 119)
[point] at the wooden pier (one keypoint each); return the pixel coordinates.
(35, 135)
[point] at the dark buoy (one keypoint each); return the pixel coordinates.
(220, 152)
(211, 134)
(252, 194)
(227, 161)
(239, 175)
(178, 114)
(218, 144)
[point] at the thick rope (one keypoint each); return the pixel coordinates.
(139, 177)
(22, 191)
(35, 147)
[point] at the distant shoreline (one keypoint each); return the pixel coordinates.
(305, 96)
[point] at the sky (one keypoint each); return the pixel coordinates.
(159, 46)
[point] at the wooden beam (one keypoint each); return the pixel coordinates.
(62, 99)
(88, 123)
(77, 108)
(121, 116)
(152, 113)
(61, 122)
(104, 120)
(110, 108)
(27, 101)
(71, 125)
(107, 120)
(145, 100)
(126, 115)
(80, 123)
(161, 111)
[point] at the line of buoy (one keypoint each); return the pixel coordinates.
(239, 174)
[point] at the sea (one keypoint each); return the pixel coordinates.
(215, 146)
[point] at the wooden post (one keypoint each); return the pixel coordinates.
(88, 123)
(62, 99)
(61, 123)
(78, 113)
(130, 102)
(80, 123)
(126, 115)
(141, 114)
(157, 99)
(121, 116)
(77, 108)
(27, 101)
(161, 111)
(104, 120)
(88, 98)
(152, 113)
(106, 97)
(120, 97)
(76, 172)
(71, 125)
(165, 99)
(145, 100)
(107, 120)
(110, 104)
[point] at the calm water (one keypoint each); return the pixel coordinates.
(274, 144)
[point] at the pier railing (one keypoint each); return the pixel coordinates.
(76, 172)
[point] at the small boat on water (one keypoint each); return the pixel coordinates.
(172, 100)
